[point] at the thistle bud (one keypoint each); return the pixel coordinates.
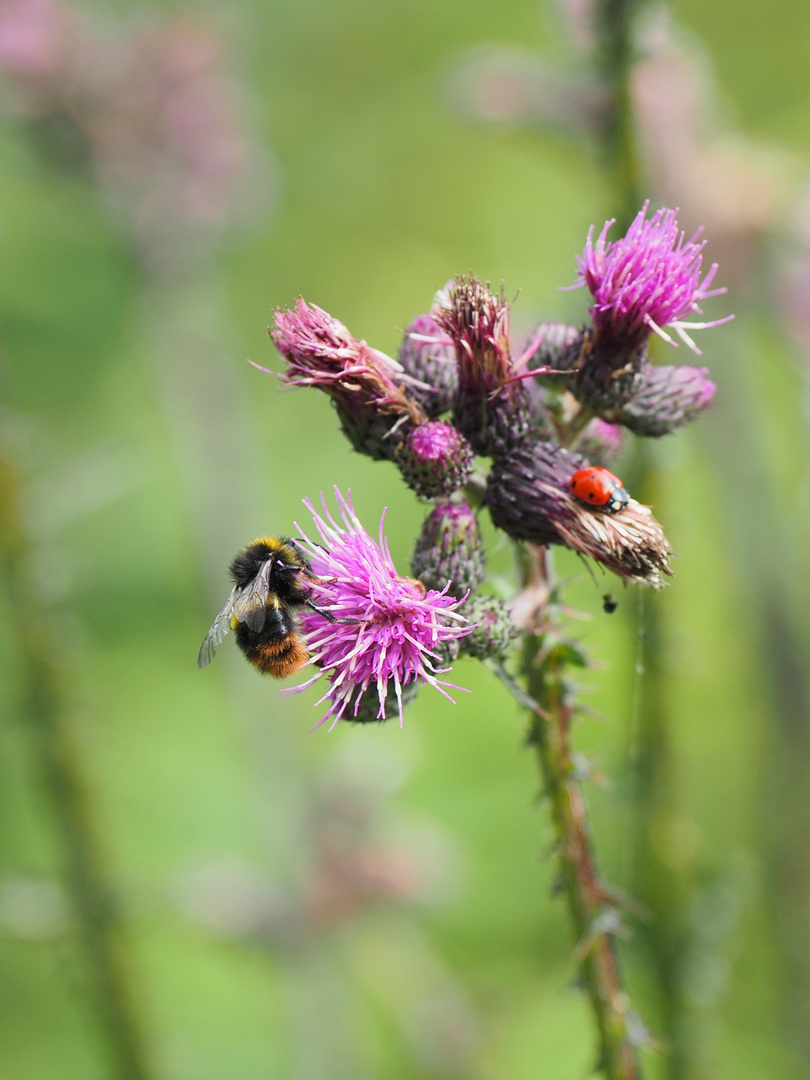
(608, 372)
(529, 498)
(449, 550)
(495, 632)
(667, 398)
(369, 432)
(435, 459)
(600, 442)
(447, 652)
(555, 345)
(427, 354)
(490, 408)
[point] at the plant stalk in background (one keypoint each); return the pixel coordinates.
(650, 785)
(613, 25)
(45, 705)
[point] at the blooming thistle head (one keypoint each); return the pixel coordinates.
(428, 354)
(529, 498)
(648, 280)
(367, 387)
(490, 406)
(391, 626)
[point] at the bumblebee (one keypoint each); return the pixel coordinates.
(271, 579)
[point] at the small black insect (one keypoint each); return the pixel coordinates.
(609, 605)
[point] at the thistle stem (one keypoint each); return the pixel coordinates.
(568, 432)
(44, 707)
(594, 917)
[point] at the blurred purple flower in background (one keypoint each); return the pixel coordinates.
(363, 867)
(357, 858)
(737, 187)
(167, 138)
(398, 626)
(34, 35)
(153, 117)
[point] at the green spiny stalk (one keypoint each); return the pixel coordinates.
(546, 657)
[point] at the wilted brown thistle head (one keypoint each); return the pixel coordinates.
(490, 408)
(367, 387)
(529, 498)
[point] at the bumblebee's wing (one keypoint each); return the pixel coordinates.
(216, 635)
(251, 606)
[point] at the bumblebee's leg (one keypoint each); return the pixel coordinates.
(329, 616)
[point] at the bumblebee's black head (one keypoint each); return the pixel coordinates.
(285, 574)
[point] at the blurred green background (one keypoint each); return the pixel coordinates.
(147, 451)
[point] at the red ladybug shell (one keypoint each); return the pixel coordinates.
(598, 487)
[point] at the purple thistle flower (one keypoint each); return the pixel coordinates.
(646, 281)
(366, 386)
(397, 624)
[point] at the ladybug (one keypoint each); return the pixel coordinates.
(598, 487)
